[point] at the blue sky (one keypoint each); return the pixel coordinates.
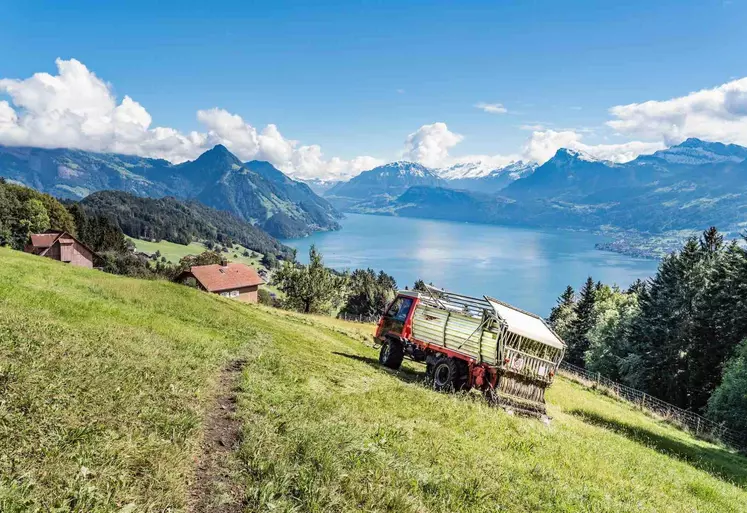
(357, 78)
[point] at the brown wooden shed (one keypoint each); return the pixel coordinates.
(61, 246)
(234, 280)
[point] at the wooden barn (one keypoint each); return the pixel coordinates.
(61, 246)
(234, 280)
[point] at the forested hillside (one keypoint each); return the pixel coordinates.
(179, 221)
(681, 337)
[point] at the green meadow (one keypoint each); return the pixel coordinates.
(105, 385)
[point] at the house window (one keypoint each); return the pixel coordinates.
(224, 294)
(234, 293)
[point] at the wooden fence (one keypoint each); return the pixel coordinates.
(698, 425)
(359, 318)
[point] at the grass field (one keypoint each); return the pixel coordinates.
(174, 252)
(105, 381)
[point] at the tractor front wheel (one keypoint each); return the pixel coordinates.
(392, 353)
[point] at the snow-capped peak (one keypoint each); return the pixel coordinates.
(577, 154)
(479, 169)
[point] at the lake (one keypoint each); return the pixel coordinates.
(525, 267)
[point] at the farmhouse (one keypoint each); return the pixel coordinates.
(61, 246)
(234, 280)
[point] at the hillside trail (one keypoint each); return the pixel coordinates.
(213, 489)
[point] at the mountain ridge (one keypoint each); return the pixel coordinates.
(265, 197)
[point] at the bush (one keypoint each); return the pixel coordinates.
(728, 404)
(265, 297)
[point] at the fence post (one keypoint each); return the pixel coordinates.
(599, 377)
(643, 400)
(697, 427)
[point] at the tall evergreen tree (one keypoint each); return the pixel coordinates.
(577, 340)
(563, 313)
(663, 332)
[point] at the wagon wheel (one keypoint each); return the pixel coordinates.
(448, 375)
(392, 353)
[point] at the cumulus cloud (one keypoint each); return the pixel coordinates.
(492, 108)
(430, 144)
(76, 109)
(542, 145)
(717, 114)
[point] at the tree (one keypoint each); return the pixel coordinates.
(613, 311)
(577, 340)
(728, 404)
(369, 293)
(269, 261)
(563, 314)
(204, 258)
(663, 336)
(311, 288)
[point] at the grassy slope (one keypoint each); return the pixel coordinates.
(103, 381)
(174, 252)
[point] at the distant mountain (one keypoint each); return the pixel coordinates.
(320, 186)
(178, 221)
(696, 152)
(688, 187)
(492, 181)
(390, 180)
(255, 192)
(259, 193)
(74, 174)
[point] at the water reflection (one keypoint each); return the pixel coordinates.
(528, 268)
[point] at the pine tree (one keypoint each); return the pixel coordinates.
(662, 335)
(577, 340)
(563, 313)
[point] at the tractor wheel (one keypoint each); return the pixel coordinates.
(449, 375)
(391, 354)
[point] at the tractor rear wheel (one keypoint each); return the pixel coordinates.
(449, 375)
(392, 353)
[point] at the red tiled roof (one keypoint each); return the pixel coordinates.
(44, 240)
(232, 276)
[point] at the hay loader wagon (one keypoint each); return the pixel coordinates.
(466, 342)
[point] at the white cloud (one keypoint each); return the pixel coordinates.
(76, 109)
(492, 108)
(542, 145)
(532, 127)
(430, 144)
(717, 114)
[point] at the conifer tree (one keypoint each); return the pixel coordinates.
(577, 340)
(563, 314)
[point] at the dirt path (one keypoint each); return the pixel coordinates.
(213, 489)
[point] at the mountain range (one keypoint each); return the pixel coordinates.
(253, 191)
(383, 184)
(689, 186)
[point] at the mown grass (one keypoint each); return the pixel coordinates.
(175, 252)
(328, 429)
(104, 381)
